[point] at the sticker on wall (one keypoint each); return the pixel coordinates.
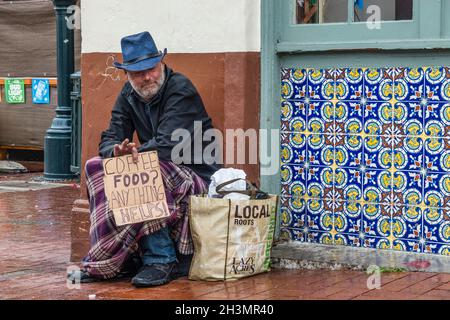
(14, 91)
(41, 91)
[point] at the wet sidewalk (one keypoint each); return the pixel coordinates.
(35, 251)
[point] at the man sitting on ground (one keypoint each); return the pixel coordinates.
(154, 102)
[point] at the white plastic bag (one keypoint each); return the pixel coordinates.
(224, 175)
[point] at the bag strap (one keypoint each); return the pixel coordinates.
(252, 190)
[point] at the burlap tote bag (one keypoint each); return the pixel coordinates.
(232, 238)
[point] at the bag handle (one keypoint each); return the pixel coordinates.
(253, 192)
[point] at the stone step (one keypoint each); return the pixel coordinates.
(22, 186)
(299, 255)
(11, 167)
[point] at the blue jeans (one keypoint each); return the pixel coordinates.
(158, 247)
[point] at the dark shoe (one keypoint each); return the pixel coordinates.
(182, 267)
(154, 275)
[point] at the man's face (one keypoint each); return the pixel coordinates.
(147, 82)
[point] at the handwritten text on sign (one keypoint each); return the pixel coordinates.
(135, 191)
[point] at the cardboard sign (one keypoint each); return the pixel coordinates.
(41, 91)
(14, 91)
(135, 191)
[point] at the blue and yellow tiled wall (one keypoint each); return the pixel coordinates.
(366, 157)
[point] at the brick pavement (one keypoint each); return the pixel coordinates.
(35, 251)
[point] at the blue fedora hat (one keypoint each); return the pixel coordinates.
(139, 52)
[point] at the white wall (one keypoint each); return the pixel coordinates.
(183, 26)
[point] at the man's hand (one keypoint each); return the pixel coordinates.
(126, 147)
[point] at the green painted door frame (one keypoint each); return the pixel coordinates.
(425, 41)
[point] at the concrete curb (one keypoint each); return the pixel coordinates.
(11, 167)
(297, 255)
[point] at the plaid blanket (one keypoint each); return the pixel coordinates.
(111, 245)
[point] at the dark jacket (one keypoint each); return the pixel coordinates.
(176, 105)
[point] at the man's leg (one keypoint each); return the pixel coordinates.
(112, 252)
(159, 258)
(158, 247)
(183, 265)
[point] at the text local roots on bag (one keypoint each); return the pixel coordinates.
(232, 238)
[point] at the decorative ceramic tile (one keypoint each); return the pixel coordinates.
(320, 84)
(291, 234)
(409, 118)
(293, 116)
(377, 152)
(409, 221)
(293, 181)
(380, 182)
(410, 84)
(293, 212)
(353, 80)
(407, 153)
(437, 248)
(437, 225)
(407, 245)
(350, 153)
(369, 242)
(354, 240)
(378, 85)
(293, 147)
(436, 189)
(436, 83)
(436, 119)
(345, 223)
(365, 157)
(312, 236)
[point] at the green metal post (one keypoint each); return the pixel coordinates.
(75, 96)
(57, 140)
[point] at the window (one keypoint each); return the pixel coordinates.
(316, 25)
(321, 11)
(334, 11)
(389, 10)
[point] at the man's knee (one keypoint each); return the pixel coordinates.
(93, 164)
(167, 163)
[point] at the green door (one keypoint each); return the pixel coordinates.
(360, 94)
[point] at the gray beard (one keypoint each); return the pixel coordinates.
(148, 93)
